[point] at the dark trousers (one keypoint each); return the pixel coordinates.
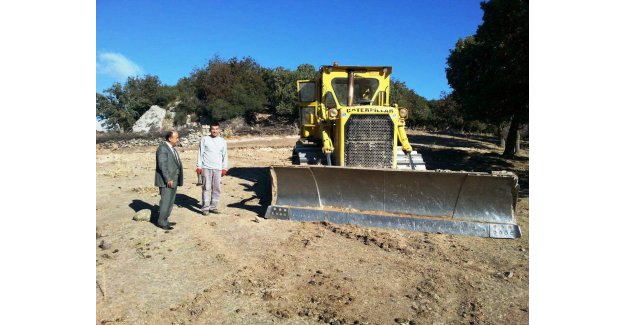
(168, 196)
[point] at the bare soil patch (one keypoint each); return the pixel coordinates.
(230, 269)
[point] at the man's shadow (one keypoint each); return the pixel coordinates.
(261, 188)
(182, 201)
(187, 202)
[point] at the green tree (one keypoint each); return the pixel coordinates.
(418, 108)
(121, 106)
(166, 95)
(282, 85)
(282, 90)
(113, 106)
(147, 91)
(489, 71)
(189, 104)
(446, 113)
(306, 71)
(227, 89)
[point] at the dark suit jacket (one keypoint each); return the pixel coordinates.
(167, 167)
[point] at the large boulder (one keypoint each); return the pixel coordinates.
(150, 120)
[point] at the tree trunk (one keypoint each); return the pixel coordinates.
(518, 141)
(502, 138)
(511, 143)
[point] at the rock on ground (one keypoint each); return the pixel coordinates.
(142, 215)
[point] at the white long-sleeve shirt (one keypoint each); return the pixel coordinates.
(213, 153)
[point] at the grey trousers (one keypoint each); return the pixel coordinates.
(168, 196)
(211, 188)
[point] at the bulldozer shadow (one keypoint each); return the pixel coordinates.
(455, 140)
(473, 161)
(261, 187)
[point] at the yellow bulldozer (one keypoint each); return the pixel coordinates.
(354, 164)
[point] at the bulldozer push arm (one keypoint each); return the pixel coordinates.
(401, 133)
(403, 138)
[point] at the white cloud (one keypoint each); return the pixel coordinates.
(117, 66)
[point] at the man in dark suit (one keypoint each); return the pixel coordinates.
(168, 177)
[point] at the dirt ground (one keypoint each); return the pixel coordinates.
(229, 269)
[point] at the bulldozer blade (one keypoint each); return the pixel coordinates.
(465, 203)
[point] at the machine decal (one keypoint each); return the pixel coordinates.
(369, 110)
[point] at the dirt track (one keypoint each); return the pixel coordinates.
(228, 269)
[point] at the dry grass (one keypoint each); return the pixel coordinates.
(116, 173)
(146, 190)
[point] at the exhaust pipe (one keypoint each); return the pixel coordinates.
(350, 88)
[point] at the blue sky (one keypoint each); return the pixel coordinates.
(171, 38)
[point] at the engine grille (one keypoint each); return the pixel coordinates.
(369, 141)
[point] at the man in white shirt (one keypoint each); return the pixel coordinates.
(212, 164)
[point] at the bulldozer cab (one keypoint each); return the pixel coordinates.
(370, 87)
(364, 88)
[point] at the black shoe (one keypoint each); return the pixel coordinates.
(171, 223)
(167, 227)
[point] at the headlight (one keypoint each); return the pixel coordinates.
(333, 112)
(403, 112)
